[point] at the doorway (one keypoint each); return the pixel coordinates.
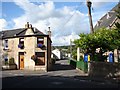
(21, 60)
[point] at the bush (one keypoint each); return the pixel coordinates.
(81, 57)
(53, 61)
(6, 62)
(11, 61)
(34, 57)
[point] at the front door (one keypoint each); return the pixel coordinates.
(21, 60)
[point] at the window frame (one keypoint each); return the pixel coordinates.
(21, 42)
(6, 44)
(41, 41)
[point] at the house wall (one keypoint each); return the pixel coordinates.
(29, 32)
(57, 53)
(30, 47)
(29, 44)
(12, 49)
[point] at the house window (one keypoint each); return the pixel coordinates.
(40, 42)
(40, 58)
(6, 59)
(6, 44)
(21, 43)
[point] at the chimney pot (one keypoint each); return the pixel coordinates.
(49, 28)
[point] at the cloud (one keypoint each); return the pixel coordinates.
(62, 40)
(63, 21)
(100, 3)
(3, 24)
(66, 22)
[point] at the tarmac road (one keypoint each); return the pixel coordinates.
(62, 76)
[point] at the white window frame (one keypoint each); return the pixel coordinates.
(6, 44)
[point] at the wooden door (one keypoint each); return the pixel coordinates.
(21, 60)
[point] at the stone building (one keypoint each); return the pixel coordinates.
(30, 48)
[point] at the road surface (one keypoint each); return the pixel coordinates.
(62, 76)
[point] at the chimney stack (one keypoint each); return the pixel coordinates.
(30, 25)
(27, 25)
(49, 32)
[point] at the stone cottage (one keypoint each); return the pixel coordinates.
(30, 48)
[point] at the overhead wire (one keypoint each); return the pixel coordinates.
(77, 8)
(71, 15)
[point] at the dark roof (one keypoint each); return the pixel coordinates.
(19, 32)
(104, 21)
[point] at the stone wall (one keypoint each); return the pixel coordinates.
(104, 69)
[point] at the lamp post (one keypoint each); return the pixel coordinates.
(90, 16)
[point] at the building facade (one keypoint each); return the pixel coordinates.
(30, 48)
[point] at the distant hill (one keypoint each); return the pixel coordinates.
(66, 48)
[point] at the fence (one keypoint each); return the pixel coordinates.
(79, 64)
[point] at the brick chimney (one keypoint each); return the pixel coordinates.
(49, 32)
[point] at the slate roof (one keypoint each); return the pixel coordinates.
(105, 22)
(18, 33)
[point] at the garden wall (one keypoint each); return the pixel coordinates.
(104, 69)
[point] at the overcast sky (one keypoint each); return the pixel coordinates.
(67, 18)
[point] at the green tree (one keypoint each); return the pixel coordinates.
(103, 38)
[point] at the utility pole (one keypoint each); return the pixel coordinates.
(70, 48)
(90, 16)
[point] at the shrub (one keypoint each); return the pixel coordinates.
(11, 61)
(6, 62)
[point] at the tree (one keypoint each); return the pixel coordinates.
(106, 40)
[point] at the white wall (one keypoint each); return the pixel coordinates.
(57, 53)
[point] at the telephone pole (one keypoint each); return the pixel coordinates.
(70, 48)
(90, 16)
